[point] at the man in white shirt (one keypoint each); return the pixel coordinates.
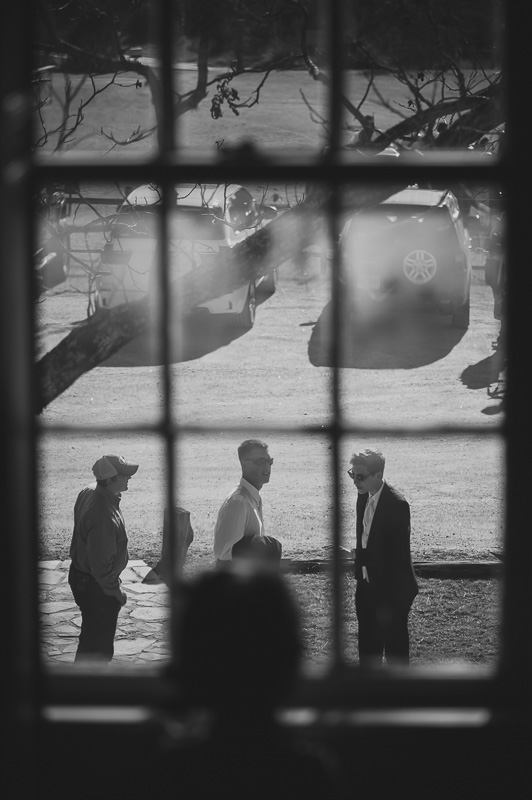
(239, 530)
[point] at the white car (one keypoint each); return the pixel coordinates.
(412, 250)
(208, 217)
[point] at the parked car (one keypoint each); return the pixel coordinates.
(412, 251)
(208, 217)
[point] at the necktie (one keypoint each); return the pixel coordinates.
(366, 524)
(368, 516)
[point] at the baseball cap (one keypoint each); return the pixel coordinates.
(109, 466)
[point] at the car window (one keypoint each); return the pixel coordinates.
(403, 222)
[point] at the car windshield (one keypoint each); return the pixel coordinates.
(196, 224)
(408, 223)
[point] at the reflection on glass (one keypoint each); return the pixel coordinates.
(205, 222)
(128, 257)
(209, 222)
(101, 541)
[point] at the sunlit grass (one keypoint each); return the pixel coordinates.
(451, 621)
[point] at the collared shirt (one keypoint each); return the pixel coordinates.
(369, 513)
(99, 540)
(240, 515)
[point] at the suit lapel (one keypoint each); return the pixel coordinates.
(378, 514)
(361, 505)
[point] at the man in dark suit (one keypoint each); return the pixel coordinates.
(386, 582)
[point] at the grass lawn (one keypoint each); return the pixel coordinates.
(451, 621)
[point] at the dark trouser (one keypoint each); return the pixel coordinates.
(99, 615)
(382, 629)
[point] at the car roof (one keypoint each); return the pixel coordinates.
(418, 197)
(191, 195)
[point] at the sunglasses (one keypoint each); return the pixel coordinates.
(260, 462)
(358, 475)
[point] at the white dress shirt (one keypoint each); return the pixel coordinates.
(369, 513)
(240, 515)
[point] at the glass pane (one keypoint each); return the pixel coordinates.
(414, 74)
(93, 81)
(65, 472)
(212, 460)
(248, 78)
(297, 488)
(423, 272)
(454, 487)
(99, 368)
(244, 351)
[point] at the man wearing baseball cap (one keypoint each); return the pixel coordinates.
(99, 554)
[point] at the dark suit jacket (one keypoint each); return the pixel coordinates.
(387, 555)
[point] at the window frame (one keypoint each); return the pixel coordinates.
(506, 688)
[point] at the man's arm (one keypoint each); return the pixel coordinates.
(230, 527)
(401, 537)
(395, 560)
(101, 552)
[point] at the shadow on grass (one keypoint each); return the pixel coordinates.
(392, 340)
(489, 374)
(200, 335)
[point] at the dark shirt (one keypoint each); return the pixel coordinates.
(99, 540)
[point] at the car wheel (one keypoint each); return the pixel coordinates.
(246, 318)
(461, 314)
(268, 286)
(420, 267)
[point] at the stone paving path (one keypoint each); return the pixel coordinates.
(141, 636)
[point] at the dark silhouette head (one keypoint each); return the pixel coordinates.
(237, 638)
